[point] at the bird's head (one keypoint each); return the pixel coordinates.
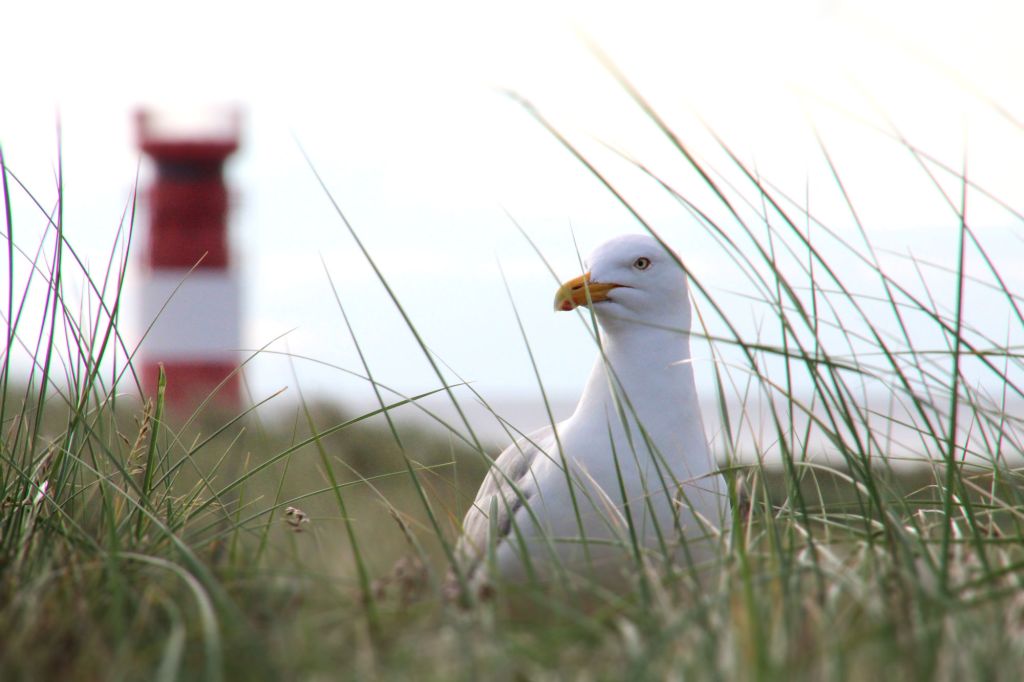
(634, 278)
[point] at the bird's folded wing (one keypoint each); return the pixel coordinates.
(506, 488)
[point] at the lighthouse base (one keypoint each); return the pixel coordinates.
(190, 382)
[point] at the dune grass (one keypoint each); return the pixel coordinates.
(136, 544)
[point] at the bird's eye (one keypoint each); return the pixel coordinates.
(642, 263)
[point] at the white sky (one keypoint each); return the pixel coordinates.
(399, 106)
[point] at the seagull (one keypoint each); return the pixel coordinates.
(627, 480)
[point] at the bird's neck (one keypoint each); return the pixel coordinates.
(642, 389)
(645, 369)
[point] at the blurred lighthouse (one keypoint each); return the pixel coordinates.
(190, 288)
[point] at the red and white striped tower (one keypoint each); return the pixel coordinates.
(190, 290)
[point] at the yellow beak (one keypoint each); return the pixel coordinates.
(581, 291)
